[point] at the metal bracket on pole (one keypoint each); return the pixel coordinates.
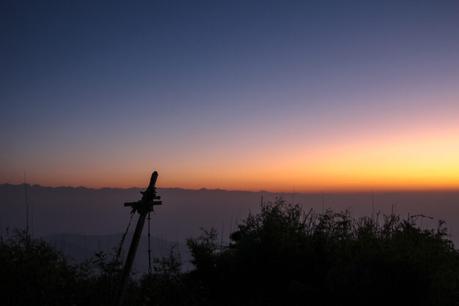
(142, 207)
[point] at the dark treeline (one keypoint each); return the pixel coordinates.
(280, 256)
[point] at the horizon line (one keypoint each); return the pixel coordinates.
(328, 191)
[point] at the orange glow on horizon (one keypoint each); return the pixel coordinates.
(364, 101)
(424, 159)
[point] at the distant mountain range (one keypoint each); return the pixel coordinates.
(100, 211)
(84, 219)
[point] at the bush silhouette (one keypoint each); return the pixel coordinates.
(33, 273)
(281, 256)
(286, 256)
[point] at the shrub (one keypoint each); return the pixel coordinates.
(287, 256)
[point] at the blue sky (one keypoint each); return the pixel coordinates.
(173, 83)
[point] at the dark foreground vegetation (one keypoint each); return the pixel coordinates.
(281, 256)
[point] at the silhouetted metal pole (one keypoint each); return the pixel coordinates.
(143, 207)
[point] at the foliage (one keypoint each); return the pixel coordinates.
(167, 285)
(281, 256)
(284, 255)
(33, 273)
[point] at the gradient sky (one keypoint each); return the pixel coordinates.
(277, 95)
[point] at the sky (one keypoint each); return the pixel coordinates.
(248, 95)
